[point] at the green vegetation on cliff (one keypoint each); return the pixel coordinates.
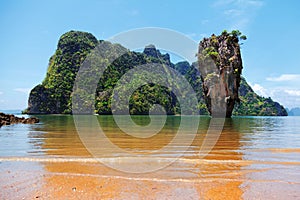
(252, 104)
(54, 94)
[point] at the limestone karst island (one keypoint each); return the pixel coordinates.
(216, 78)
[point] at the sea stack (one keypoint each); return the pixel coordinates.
(220, 65)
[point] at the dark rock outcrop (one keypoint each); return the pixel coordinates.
(8, 119)
(220, 65)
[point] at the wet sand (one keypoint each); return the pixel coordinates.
(87, 179)
(74, 180)
(223, 174)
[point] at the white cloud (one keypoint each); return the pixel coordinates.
(1, 92)
(288, 96)
(285, 77)
(22, 90)
(286, 89)
(260, 90)
(293, 92)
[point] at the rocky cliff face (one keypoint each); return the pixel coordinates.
(220, 65)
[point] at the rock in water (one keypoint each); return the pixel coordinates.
(220, 65)
(6, 119)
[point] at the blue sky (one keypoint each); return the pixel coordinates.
(30, 31)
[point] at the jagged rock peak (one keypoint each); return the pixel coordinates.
(220, 65)
(150, 50)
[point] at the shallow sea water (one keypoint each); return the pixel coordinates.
(253, 158)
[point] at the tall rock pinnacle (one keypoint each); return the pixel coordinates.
(220, 65)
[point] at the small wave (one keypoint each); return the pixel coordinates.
(141, 159)
(120, 159)
(176, 180)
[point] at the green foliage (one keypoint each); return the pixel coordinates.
(238, 34)
(224, 32)
(182, 67)
(210, 51)
(252, 104)
(243, 37)
(44, 99)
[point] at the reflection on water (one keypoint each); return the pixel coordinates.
(254, 158)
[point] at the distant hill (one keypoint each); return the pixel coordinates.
(53, 95)
(294, 112)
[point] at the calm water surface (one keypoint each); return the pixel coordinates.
(254, 158)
